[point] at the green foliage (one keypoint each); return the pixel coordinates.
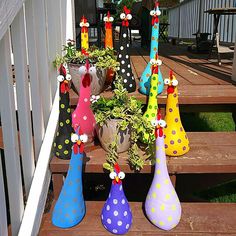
(102, 58)
(129, 111)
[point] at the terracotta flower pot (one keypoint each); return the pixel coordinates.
(97, 84)
(107, 132)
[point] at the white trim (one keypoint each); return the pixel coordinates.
(39, 188)
(234, 64)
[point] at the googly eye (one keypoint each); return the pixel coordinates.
(84, 138)
(60, 78)
(158, 12)
(105, 18)
(112, 175)
(159, 62)
(86, 24)
(81, 24)
(74, 138)
(154, 123)
(121, 175)
(92, 70)
(111, 19)
(122, 16)
(129, 16)
(152, 12)
(174, 82)
(68, 77)
(166, 81)
(152, 61)
(162, 123)
(82, 70)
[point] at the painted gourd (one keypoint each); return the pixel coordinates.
(84, 33)
(116, 214)
(69, 209)
(83, 115)
(152, 106)
(145, 80)
(176, 140)
(162, 205)
(123, 53)
(62, 144)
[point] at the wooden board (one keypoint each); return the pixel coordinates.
(211, 152)
(197, 219)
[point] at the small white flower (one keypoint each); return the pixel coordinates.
(94, 98)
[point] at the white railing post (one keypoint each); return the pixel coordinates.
(10, 137)
(234, 64)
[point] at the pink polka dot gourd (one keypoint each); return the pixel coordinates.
(162, 205)
(116, 214)
(176, 140)
(83, 115)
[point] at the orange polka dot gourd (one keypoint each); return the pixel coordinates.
(62, 144)
(162, 205)
(83, 115)
(152, 106)
(84, 33)
(145, 80)
(176, 140)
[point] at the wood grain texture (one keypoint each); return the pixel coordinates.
(211, 152)
(197, 218)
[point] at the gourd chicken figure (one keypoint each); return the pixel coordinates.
(162, 204)
(152, 106)
(176, 140)
(116, 214)
(84, 33)
(83, 115)
(70, 206)
(62, 143)
(145, 80)
(108, 30)
(123, 56)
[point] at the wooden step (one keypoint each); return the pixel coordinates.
(211, 152)
(205, 219)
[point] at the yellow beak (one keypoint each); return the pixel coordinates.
(117, 179)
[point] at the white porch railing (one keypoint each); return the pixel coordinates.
(31, 32)
(189, 17)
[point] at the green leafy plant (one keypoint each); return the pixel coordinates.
(128, 110)
(102, 58)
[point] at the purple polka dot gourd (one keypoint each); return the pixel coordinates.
(176, 140)
(162, 205)
(116, 214)
(83, 115)
(123, 53)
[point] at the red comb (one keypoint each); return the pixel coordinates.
(156, 4)
(156, 56)
(117, 168)
(171, 74)
(159, 114)
(84, 19)
(126, 10)
(62, 70)
(108, 14)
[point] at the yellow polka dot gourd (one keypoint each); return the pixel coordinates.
(162, 205)
(84, 33)
(176, 140)
(152, 106)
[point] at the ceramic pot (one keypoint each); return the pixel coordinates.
(98, 81)
(106, 135)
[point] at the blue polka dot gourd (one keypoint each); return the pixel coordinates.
(162, 205)
(62, 144)
(69, 209)
(116, 214)
(145, 80)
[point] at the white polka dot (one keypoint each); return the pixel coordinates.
(105, 226)
(125, 213)
(121, 188)
(128, 74)
(109, 221)
(127, 226)
(108, 208)
(123, 62)
(115, 201)
(125, 80)
(120, 56)
(129, 65)
(85, 118)
(123, 70)
(124, 35)
(127, 45)
(115, 213)
(123, 201)
(86, 100)
(132, 78)
(114, 231)
(102, 217)
(130, 85)
(127, 56)
(121, 48)
(119, 223)
(74, 115)
(109, 195)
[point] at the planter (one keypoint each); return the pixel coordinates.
(97, 83)
(106, 135)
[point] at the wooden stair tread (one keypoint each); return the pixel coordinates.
(197, 218)
(211, 152)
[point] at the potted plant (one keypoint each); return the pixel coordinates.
(120, 125)
(103, 59)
